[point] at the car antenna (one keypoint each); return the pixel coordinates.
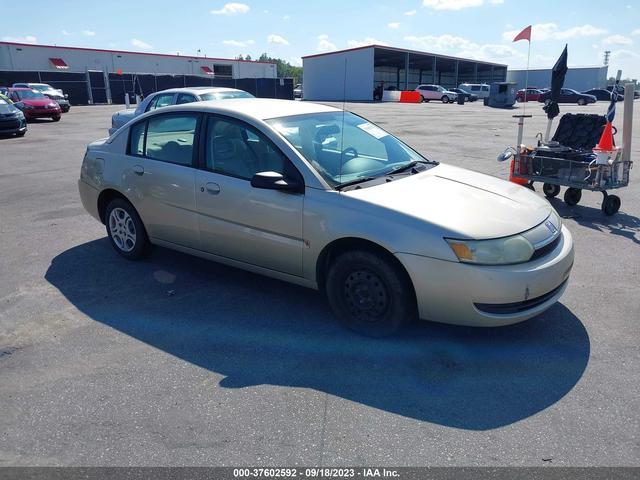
(344, 100)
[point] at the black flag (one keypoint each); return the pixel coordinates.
(557, 81)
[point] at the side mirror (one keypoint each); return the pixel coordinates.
(273, 181)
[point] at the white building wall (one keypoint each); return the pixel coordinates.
(36, 58)
(324, 76)
(578, 78)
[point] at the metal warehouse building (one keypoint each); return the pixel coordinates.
(354, 73)
(91, 75)
(578, 78)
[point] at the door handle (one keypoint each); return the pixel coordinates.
(213, 188)
(138, 169)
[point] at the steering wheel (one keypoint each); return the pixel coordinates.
(350, 150)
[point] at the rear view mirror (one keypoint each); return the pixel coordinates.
(273, 181)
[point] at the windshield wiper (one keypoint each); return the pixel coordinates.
(410, 165)
(340, 186)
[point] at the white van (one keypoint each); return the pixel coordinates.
(479, 89)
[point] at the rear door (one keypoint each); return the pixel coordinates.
(237, 221)
(161, 176)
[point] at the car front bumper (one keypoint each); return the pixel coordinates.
(489, 296)
(13, 125)
(49, 113)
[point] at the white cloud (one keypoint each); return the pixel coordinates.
(324, 45)
(286, 17)
(496, 2)
(25, 39)
(140, 44)
(636, 32)
(626, 60)
(393, 25)
(365, 42)
(277, 40)
(232, 9)
(463, 47)
(550, 31)
(410, 13)
(617, 40)
(234, 43)
(88, 33)
(451, 4)
(66, 33)
(295, 61)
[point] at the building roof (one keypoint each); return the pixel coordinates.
(405, 50)
(128, 52)
(571, 67)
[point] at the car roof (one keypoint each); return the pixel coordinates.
(256, 108)
(197, 90)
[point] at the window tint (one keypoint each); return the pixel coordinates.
(185, 98)
(136, 139)
(236, 149)
(170, 138)
(160, 101)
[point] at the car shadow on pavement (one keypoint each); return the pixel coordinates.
(255, 330)
(621, 224)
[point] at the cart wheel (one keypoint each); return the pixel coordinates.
(572, 196)
(611, 205)
(550, 190)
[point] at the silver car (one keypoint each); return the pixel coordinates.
(174, 96)
(323, 198)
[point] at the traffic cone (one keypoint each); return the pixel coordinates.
(606, 140)
(514, 179)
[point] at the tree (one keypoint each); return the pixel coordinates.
(284, 68)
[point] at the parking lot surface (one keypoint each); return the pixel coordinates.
(179, 361)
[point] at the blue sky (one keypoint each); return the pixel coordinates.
(481, 29)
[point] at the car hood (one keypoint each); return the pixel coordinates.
(39, 102)
(465, 204)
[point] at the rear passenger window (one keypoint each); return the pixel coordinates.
(136, 145)
(170, 138)
(185, 98)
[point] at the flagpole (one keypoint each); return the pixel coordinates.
(526, 78)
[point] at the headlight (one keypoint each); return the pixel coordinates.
(500, 251)
(24, 106)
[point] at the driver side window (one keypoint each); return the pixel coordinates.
(238, 150)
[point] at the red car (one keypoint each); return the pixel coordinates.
(34, 104)
(533, 94)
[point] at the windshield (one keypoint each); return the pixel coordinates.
(344, 148)
(29, 95)
(41, 87)
(225, 95)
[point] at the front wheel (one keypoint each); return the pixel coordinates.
(445, 99)
(611, 205)
(125, 229)
(550, 190)
(56, 118)
(572, 196)
(370, 294)
(582, 102)
(422, 98)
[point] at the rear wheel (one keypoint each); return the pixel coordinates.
(445, 99)
(423, 99)
(582, 101)
(572, 196)
(611, 204)
(369, 293)
(550, 190)
(125, 229)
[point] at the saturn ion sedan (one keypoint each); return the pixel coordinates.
(323, 198)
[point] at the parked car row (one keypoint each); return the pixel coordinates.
(569, 95)
(470, 92)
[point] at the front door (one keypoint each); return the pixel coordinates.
(237, 221)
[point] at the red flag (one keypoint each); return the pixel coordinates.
(524, 35)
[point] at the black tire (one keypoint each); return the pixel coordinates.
(131, 250)
(550, 190)
(445, 99)
(370, 294)
(423, 99)
(572, 196)
(56, 119)
(21, 134)
(582, 102)
(611, 205)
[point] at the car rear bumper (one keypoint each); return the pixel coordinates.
(89, 198)
(464, 294)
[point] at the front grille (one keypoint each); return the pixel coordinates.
(548, 248)
(517, 307)
(9, 124)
